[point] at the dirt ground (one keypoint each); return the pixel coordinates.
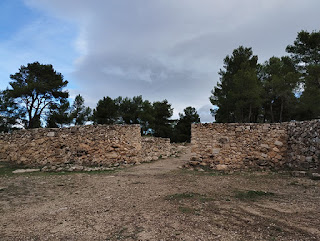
(159, 201)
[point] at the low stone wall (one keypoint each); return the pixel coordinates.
(293, 145)
(79, 146)
(153, 148)
(104, 145)
(304, 145)
(239, 146)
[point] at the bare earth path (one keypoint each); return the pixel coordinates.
(163, 166)
(159, 201)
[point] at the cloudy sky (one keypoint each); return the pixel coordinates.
(160, 49)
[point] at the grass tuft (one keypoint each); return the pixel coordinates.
(187, 210)
(7, 168)
(188, 195)
(180, 196)
(252, 195)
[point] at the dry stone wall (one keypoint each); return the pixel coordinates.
(239, 145)
(84, 145)
(304, 145)
(154, 148)
(78, 146)
(257, 146)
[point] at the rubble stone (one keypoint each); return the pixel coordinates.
(292, 145)
(91, 145)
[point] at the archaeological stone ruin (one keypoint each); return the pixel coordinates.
(276, 146)
(228, 146)
(92, 145)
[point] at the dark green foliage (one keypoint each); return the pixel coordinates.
(305, 51)
(161, 126)
(280, 80)
(238, 94)
(59, 115)
(36, 87)
(80, 113)
(153, 118)
(282, 89)
(247, 95)
(146, 116)
(182, 130)
(136, 111)
(106, 111)
(309, 102)
(130, 109)
(10, 113)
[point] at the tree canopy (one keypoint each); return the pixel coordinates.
(36, 87)
(238, 94)
(152, 117)
(79, 112)
(281, 89)
(305, 52)
(59, 114)
(280, 79)
(182, 130)
(161, 124)
(10, 113)
(106, 111)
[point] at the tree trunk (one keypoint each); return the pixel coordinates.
(30, 119)
(281, 110)
(271, 113)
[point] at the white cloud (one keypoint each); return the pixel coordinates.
(172, 49)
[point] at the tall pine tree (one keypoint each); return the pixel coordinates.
(305, 51)
(238, 94)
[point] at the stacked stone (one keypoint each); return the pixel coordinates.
(304, 145)
(154, 148)
(104, 145)
(239, 146)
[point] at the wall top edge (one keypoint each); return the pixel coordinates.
(253, 124)
(71, 128)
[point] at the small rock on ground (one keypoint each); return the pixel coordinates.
(25, 170)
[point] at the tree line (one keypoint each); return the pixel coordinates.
(36, 99)
(281, 89)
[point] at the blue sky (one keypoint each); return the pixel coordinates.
(29, 35)
(168, 49)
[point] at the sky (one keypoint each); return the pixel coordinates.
(160, 49)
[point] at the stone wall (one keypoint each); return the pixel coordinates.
(304, 145)
(238, 146)
(294, 145)
(98, 145)
(104, 145)
(154, 148)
